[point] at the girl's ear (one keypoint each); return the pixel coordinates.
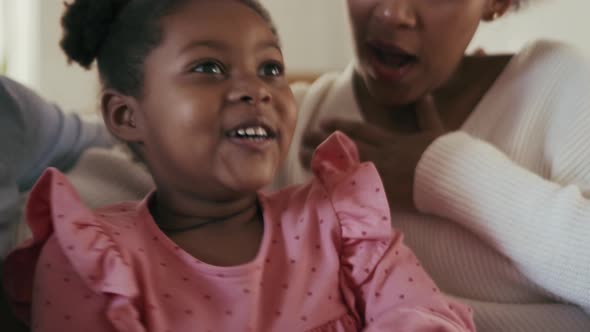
(496, 9)
(121, 116)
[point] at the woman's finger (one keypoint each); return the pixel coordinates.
(305, 155)
(367, 152)
(312, 139)
(358, 131)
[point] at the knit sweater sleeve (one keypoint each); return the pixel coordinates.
(541, 222)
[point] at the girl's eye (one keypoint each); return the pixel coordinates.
(209, 67)
(271, 69)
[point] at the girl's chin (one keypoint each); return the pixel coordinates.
(252, 185)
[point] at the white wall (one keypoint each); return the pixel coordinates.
(69, 85)
(315, 36)
(31, 32)
(565, 20)
(315, 33)
(20, 40)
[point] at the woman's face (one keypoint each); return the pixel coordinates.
(408, 48)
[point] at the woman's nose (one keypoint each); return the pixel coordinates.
(397, 13)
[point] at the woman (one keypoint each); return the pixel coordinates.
(484, 159)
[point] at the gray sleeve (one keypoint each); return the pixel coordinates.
(9, 211)
(34, 135)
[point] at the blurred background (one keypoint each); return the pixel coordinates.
(314, 33)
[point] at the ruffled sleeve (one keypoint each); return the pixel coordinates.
(382, 281)
(359, 201)
(85, 256)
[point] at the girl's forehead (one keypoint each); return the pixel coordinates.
(218, 14)
(216, 20)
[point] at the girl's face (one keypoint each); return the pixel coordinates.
(216, 112)
(408, 48)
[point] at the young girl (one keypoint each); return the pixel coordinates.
(197, 89)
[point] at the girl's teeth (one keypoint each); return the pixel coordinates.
(252, 132)
(260, 131)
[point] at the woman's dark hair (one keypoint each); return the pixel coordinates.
(119, 34)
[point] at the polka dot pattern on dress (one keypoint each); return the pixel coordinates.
(300, 260)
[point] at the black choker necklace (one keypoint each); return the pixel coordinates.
(185, 228)
(258, 214)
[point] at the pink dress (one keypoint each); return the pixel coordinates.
(329, 261)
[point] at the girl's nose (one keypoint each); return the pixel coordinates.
(251, 91)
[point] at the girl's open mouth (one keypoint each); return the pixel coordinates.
(252, 135)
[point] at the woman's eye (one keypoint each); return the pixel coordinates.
(208, 68)
(271, 69)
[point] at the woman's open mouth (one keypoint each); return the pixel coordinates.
(389, 62)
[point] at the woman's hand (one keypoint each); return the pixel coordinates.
(395, 155)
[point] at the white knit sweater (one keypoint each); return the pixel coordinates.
(505, 202)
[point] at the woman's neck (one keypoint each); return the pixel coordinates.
(460, 96)
(397, 119)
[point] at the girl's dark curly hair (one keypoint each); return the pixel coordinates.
(119, 34)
